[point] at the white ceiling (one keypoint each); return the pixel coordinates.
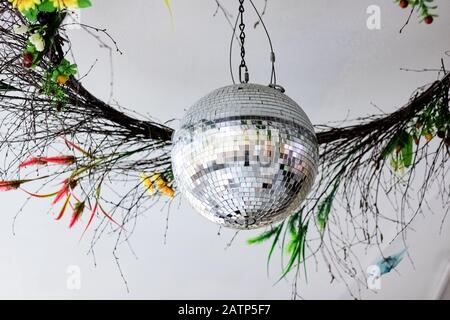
(327, 60)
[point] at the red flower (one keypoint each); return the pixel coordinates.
(65, 191)
(77, 212)
(68, 185)
(15, 184)
(98, 206)
(94, 211)
(109, 217)
(61, 160)
(10, 185)
(70, 144)
(63, 209)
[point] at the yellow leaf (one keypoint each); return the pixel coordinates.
(168, 5)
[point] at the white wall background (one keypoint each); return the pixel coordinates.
(327, 60)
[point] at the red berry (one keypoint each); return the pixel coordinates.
(27, 61)
(428, 19)
(404, 4)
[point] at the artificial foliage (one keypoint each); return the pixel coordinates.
(425, 8)
(45, 107)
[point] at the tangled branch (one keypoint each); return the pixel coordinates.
(395, 158)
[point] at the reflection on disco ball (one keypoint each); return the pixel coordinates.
(245, 156)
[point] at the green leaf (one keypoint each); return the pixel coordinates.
(275, 233)
(407, 152)
(31, 14)
(73, 69)
(263, 237)
(324, 212)
(298, 249)
(31, 49)
(294, 256)
(84, 3)
(47, 6)
(394, 163)
(292, 245)
(293, 231)
(390, 147)
(274, 242)
(400, 139)
(65, 68)
(55, 75)
(401, 149)
(324, 208)
(292, 223)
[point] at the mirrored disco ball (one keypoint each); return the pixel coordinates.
(245, 156)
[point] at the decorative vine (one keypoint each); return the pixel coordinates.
(45, 107)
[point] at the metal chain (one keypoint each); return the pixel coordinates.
(243, 65)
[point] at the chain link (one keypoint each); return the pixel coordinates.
(243, 65)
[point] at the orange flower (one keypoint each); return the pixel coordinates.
(62, 79)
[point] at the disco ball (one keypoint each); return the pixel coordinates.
(245, 156)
